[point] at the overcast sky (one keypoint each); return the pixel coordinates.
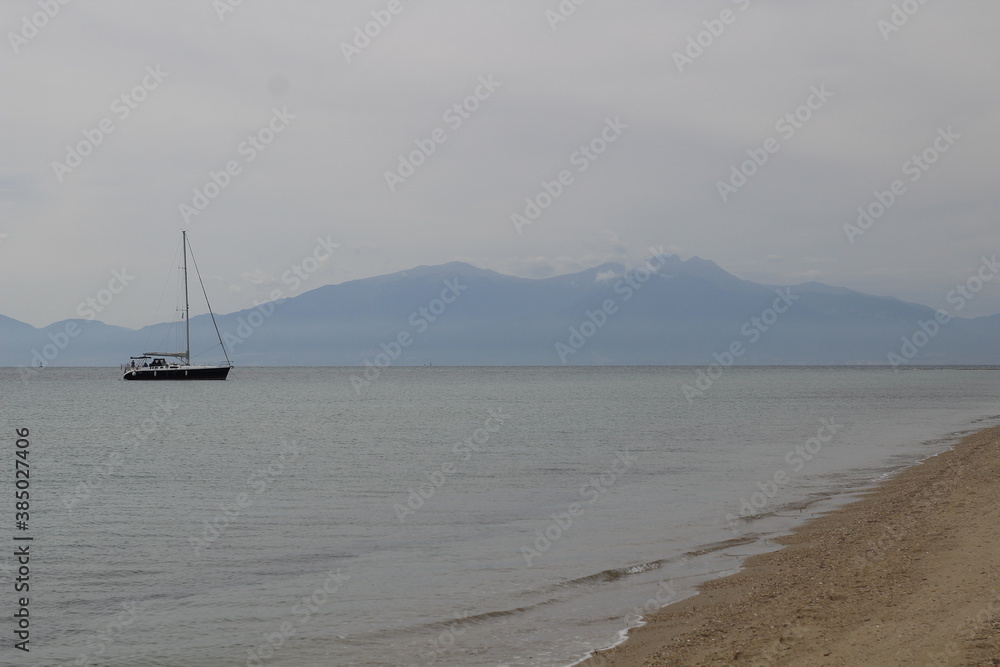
(183, 86)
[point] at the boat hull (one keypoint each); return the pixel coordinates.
(180, 373)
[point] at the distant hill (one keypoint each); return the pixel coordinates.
(684, 313)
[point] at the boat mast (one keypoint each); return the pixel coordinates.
(187, 305)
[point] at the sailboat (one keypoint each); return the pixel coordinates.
(154, 365)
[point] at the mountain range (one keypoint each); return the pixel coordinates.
(667, 312)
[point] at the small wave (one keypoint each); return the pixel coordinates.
(712, 547)
(617, 574)
(482, 616)
(604, 576)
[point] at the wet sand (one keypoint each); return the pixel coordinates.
(907, 575)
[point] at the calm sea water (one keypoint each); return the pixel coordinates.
(435, 516)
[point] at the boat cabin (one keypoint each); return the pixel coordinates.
(149, 362)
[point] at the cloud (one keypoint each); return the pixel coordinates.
(605, 276)
(325, 173)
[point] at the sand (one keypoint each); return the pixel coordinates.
(907, 575)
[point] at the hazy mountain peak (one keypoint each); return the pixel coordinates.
(695, 310)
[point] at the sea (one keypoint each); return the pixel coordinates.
(425, 516)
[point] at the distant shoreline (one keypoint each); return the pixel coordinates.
(909, 574)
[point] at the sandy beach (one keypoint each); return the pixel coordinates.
(907, 575)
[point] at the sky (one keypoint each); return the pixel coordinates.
(305, 143)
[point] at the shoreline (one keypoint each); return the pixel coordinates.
(906, 574)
